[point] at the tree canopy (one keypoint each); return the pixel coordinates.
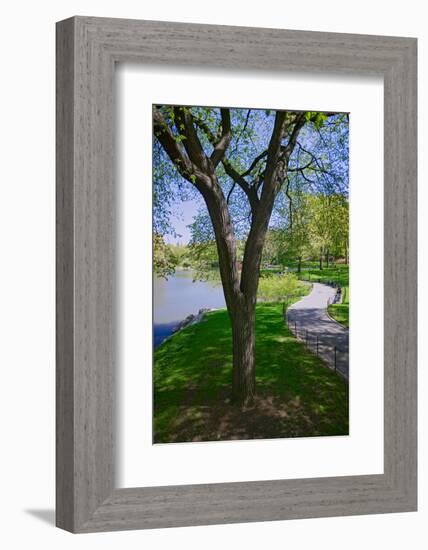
(317, 165)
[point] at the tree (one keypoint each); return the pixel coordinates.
(329, 225)
(296, 236)
(164, 261)
(204, 260)
(210, 147)
(273, 248)
(339, 226)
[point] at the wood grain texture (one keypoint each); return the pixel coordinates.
(64, 277)
(87, 49)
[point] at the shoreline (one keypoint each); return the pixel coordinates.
(191, 319)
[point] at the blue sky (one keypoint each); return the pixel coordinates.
(188, 209)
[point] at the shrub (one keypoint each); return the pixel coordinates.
(280, 287)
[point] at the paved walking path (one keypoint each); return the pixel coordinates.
(308, 319)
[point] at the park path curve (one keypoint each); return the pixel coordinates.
(308, 320)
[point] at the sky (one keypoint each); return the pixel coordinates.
(179, 223)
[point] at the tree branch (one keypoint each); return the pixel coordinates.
(290, 202)
(275, 173)
(298, 125)
(315, 160)
(241, 181)
(224, 141)
(300, 168)
(230, 192)
(273, 153)
(184, 124)
(172, 147)
(230, 170)
(256, 237)
(241, 133)
(254, 163)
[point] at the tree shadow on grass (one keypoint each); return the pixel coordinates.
(297, 396)
(270, 417)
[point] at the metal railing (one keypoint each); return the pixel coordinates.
(314, 343)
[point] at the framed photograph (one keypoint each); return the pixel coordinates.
(236, 274)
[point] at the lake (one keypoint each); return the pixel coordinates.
(177, 297)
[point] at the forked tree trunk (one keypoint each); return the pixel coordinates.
(244, 361)
(199, 169)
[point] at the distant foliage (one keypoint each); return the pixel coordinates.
(164, 260)
(312, 224)
(203, 259)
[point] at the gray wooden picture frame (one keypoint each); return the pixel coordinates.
(87, 50)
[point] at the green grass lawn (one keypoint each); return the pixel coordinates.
(340, 312)
(338, 274)
(297, 395)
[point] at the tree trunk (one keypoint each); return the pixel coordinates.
(327, 259)
(299, 265)
(321, 259)
(244, 362)
(192, 162)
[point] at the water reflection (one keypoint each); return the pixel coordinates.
(177, 297)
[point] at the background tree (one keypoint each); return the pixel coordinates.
(238, 160)
(164, 261)
(339, 226)
(297, 234)
(320, 226)
(329, 221)
(273, 249)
